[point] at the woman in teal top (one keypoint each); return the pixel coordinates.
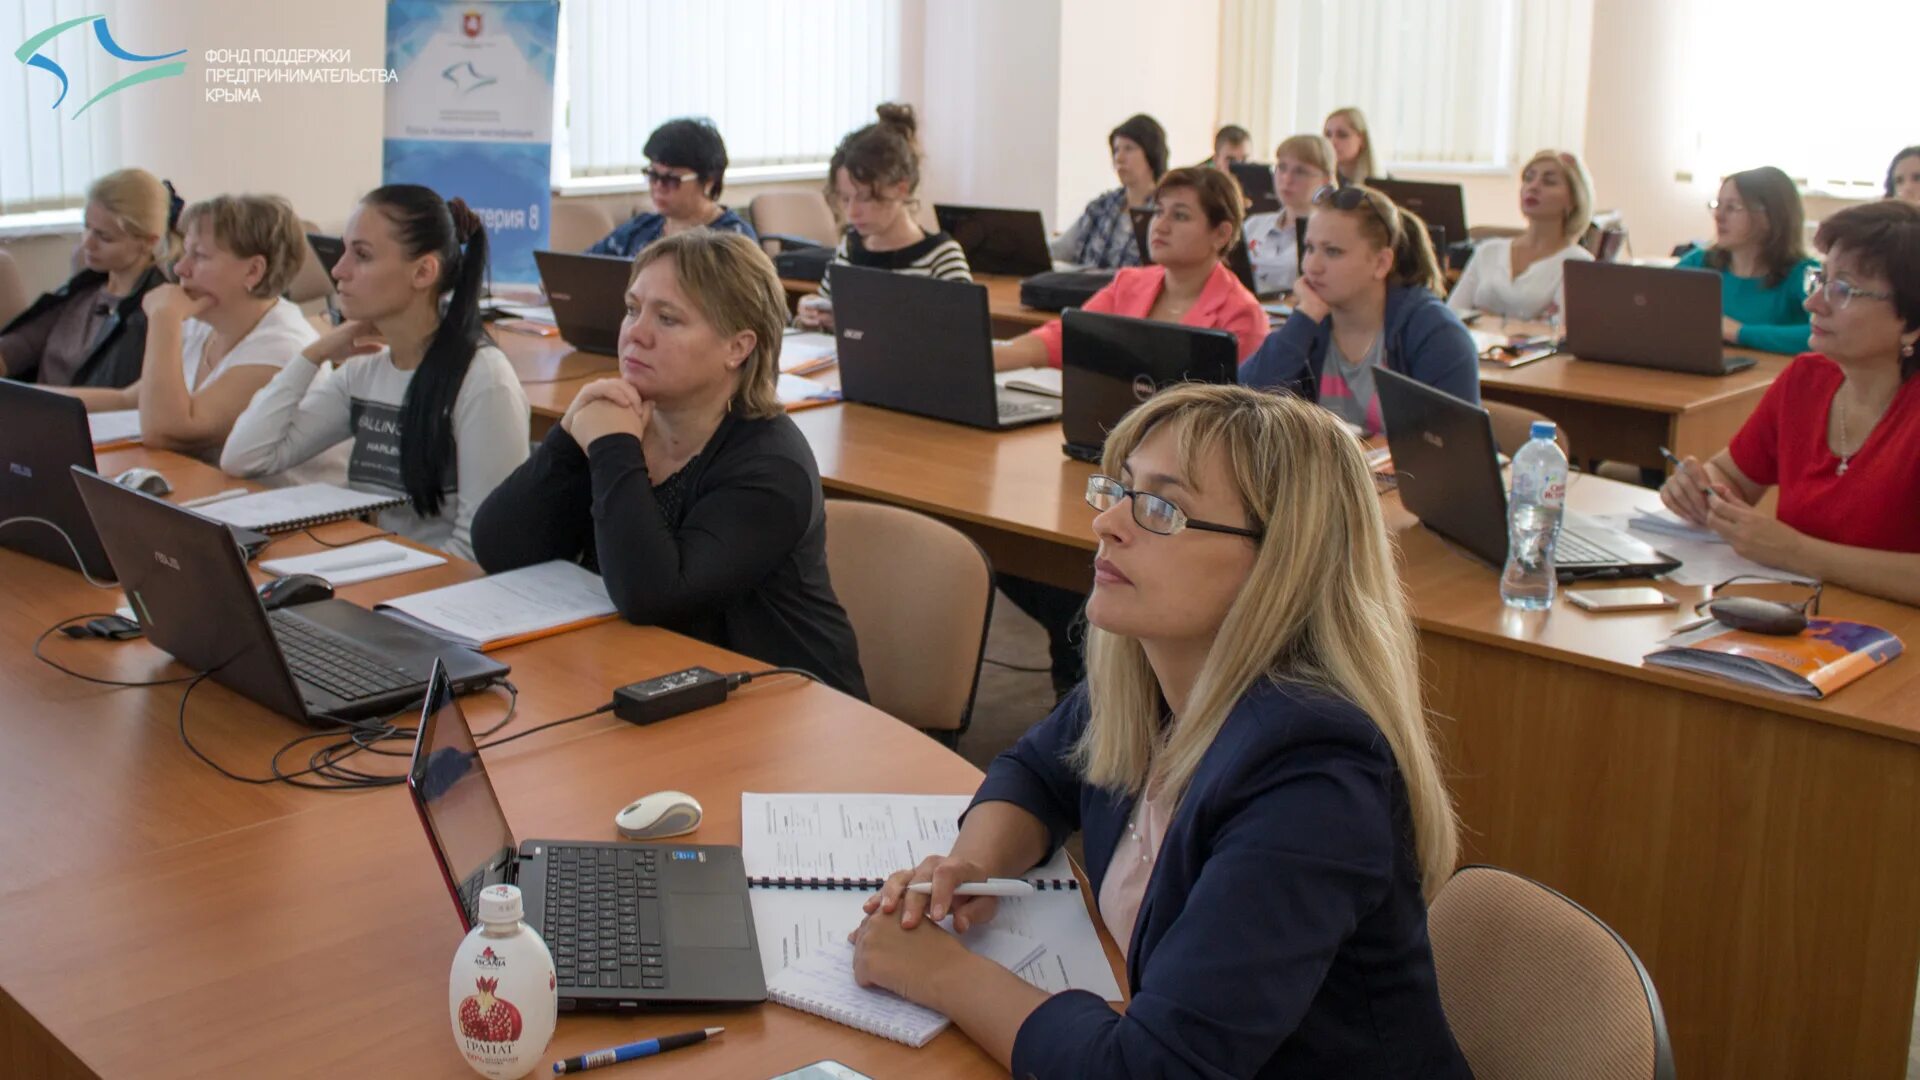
(1761, 254)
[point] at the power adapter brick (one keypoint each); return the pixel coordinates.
(664, 697)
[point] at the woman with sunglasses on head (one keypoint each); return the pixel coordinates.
(1760, 250)
(1369, 297)
(1248, 763)
(872, 178)
(1839, 431)
(1302, 165)
(434, 411)
(686, 171)
(1520, 277)
(1196, 218)
(1102, 236)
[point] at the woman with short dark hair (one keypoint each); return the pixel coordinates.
(1102, 236)
(1839, 431)
(686, 171)
(1903, 176)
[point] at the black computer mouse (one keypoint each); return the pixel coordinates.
(295, 589)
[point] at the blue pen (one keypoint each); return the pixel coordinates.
(643, 1048)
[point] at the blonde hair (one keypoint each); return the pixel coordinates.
(1579, 187)
(1310, 149)
(1322, 607)
(1356, 120)
(249, 225)
(142, 205)
(734, 285)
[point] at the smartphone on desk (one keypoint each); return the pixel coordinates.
(1635, 598)
(823, 1070)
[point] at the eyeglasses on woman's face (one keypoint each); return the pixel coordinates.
(1151, 512)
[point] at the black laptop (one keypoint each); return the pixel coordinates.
(43, 435)
(1440, 205)
(996, 240)
(588, 294)
(1648, 316)
(924, 346)
(319, 663)
(1110, 364)
(1256, 182)
(1445, 460)
(630, 925)
(328, 250)
(1239, 259)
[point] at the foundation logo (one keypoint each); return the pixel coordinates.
(29, 54)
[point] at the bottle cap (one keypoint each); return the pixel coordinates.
(1542, 429)
(501, 904)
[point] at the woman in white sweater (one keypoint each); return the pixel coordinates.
(435, 412)
(1519, 277)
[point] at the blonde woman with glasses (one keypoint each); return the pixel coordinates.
(1260, 797)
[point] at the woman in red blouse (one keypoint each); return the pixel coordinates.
(1839, 430)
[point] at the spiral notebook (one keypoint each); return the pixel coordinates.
(302, 507)
(823, 985)
(813, 858)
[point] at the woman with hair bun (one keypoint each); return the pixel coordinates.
(434, 410)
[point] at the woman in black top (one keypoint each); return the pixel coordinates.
(682, 481)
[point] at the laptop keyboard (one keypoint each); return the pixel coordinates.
(1020, 410)
(334, 662)
(602, 918)
(1573, 549)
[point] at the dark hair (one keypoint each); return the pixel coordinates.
(1149, 136)
(1218, 193)
(1389, 225)
(1232, 135)
(1911, 151)
(1885, 238)
(884, 153)
(428, 225)
(1771, 192)
(691, 143)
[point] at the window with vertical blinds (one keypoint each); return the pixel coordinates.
(782, 81)
(1459, 83)
(48, 156)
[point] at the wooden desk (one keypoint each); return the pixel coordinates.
(1622, 413)
(1753, 848)
(165, 921)
(1010, 317)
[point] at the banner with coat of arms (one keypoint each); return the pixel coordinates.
(472, 114)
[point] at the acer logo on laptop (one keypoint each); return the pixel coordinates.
(20, 470)
(166, 560)
(1434, 440)
(853, 335)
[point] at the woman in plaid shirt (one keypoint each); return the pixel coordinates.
(1102, 237)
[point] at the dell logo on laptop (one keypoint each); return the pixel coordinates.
(1143, 387)
(853, 335)
(20, 470)
(166, 560)
(1433, 439)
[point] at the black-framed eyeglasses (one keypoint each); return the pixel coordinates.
(1839, 291)
(667, 181)
(1153, 513)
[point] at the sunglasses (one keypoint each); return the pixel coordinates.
(667, 181)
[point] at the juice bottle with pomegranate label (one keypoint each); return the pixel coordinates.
(502, 992)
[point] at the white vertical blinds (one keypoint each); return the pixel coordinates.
(47, 156)
(1442, 82)
(782, 81)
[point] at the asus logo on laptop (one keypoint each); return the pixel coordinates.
(853, 335)
(18, 469)
(552, 296)
(166, 560)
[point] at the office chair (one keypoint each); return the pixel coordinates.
(575, 225)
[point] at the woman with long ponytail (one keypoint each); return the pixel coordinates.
(433, 408)
(1369, 296)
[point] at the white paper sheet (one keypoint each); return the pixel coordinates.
(348, 565)
(501, 606)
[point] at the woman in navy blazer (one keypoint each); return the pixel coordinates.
(1250, 765)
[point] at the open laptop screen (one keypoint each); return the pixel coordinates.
(457, 804)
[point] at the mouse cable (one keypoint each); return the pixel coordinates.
(71, 546)
(65, 670)
(607, 708)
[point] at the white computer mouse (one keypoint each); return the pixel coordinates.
(659, 815)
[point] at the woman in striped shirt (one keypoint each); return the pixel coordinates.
(873, 175)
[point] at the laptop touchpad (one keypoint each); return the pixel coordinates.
(707, 921)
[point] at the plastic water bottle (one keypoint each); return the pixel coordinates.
(502, 992)
(1533, 520)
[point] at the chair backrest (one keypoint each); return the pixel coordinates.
(13, 288)
(921, 658)
(576, 225)
(1535, 986)
(804, 214)
(310, 282)
(1513, 426)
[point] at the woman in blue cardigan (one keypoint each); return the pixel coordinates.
(1370, 295)
(1260, 797)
